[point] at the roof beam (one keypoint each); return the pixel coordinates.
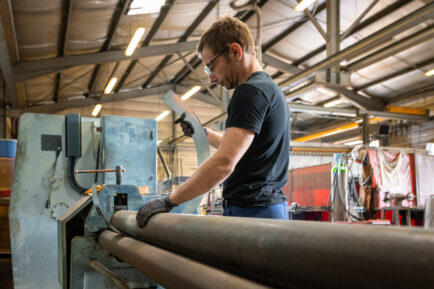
(184, 37)
(67, 10)
(358, 100)
(290, 29)
(116, 19)
(383, 13)
(31, 69)
(357, 21)
(353, 97)
(63, 42)
(204, 84)
(396, 74)
(50, 108)
(279, 64)
(292, 95)
(315, 23)
(423, 92)
(396, 47)
(196, 61)
(414, 18)
(164, 11)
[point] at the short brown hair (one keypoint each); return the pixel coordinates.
(223, 32)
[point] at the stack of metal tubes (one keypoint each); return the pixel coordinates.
(190, 251)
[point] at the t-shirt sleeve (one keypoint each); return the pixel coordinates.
(247, 108)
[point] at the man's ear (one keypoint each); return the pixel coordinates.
(237, 51)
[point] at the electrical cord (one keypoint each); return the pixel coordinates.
(71, 177)
(52, 180)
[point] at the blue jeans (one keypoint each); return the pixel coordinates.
(279, 211)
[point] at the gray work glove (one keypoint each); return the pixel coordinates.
(186, 126)
(161, 205)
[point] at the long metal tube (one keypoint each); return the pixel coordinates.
(296, 254)
(169, 269)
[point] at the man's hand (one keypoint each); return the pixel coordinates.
(161, 205)
(186, 126)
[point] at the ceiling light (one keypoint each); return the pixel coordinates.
(162, 115)
(135, 41)
(138, 7)
(96, 110)
(333, 102)
(354, 142)
(429, 72)
(110, 85)
(189, 93)
(303, 5)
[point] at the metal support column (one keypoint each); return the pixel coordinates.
(365, 129)
(333, 36)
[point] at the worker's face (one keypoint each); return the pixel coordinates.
(219, 67)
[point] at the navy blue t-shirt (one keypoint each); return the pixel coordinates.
(259, 105)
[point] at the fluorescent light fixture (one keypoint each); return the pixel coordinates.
(189, 93)
(429, 72)
(110, 85)
(162, 115)
(138, 7)
(303, 5)
(333, 102)
(96, 110)
(135, 41)
(354, 142)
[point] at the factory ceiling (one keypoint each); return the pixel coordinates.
(60, 54)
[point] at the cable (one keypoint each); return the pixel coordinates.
(71, 177)
(52, 181)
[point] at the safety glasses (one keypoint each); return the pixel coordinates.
(209, 66)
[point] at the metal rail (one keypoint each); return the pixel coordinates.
(295, 254)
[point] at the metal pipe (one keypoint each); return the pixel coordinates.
(119, 283)
(169, 269)
(296, 254)
(369, 42)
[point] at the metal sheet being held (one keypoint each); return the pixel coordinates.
(199, 137)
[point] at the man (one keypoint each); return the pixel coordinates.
(252, 156)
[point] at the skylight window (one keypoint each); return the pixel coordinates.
(138, 7)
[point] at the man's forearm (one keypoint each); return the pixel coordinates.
(208, 176)
(214, 138)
